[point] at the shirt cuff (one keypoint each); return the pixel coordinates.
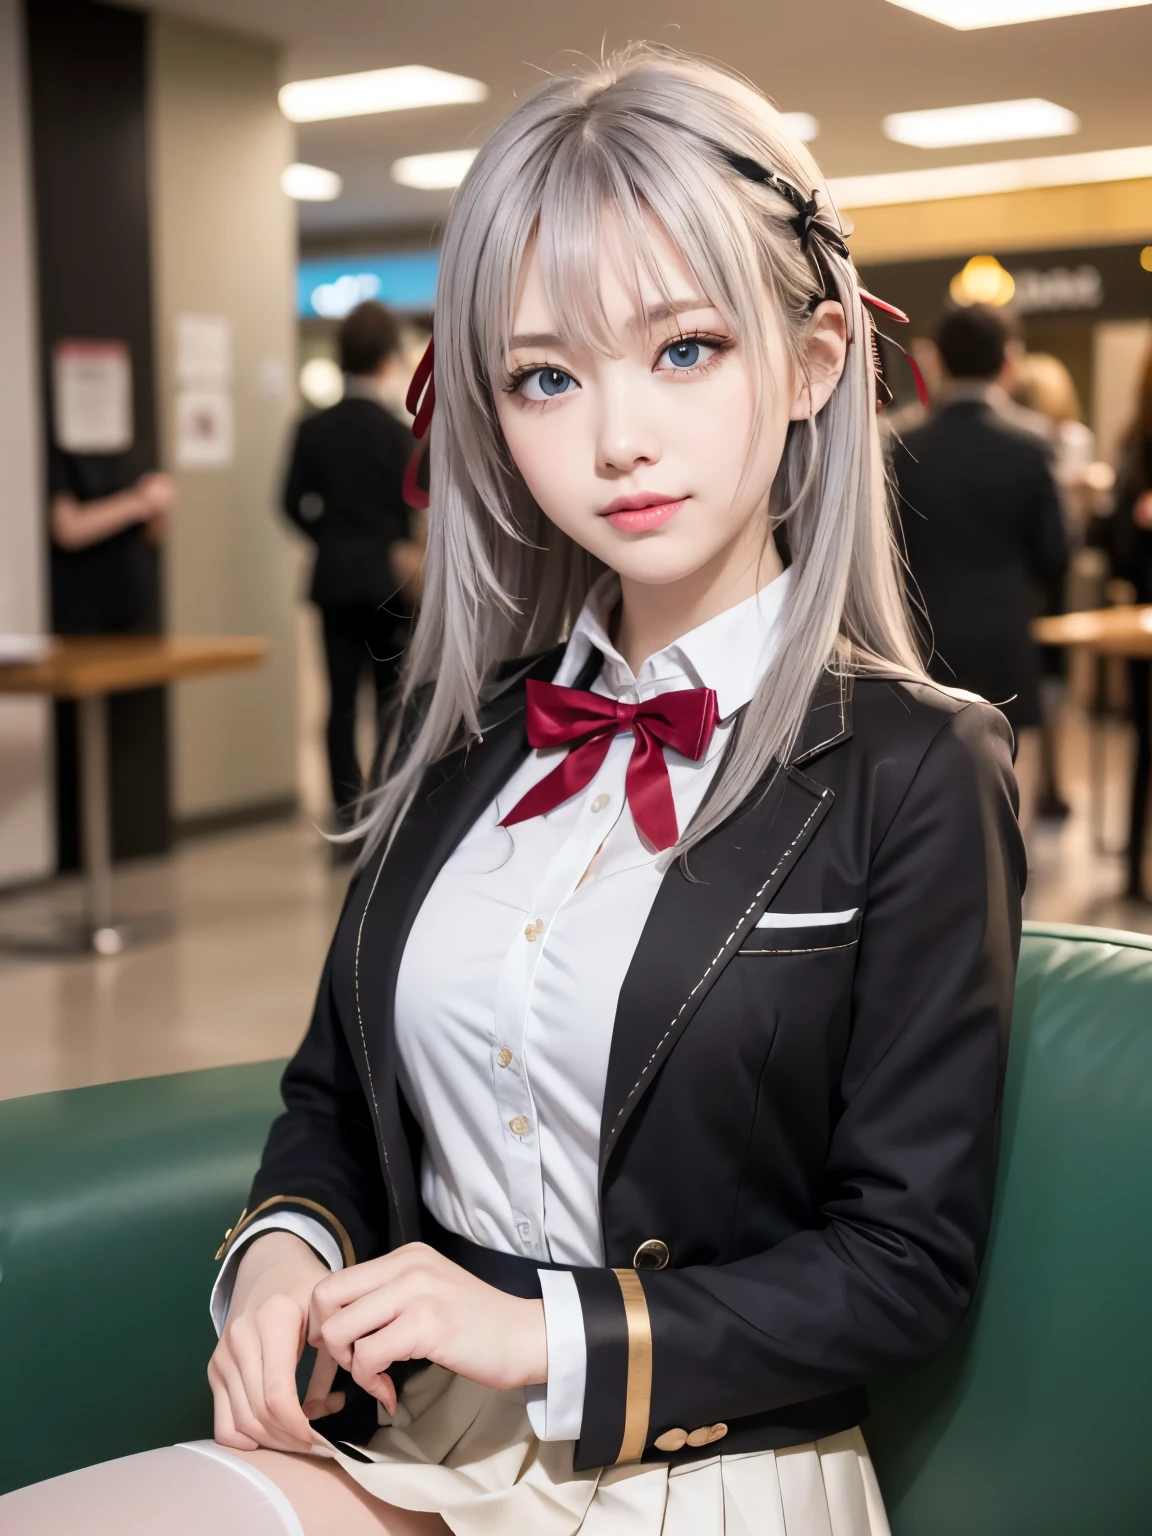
(556, 1411)
(312, 1232)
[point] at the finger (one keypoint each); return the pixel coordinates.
(248, 1358)
(347, 1285)
(369, 1374)
(239, 1408)
(319, 1394)
(280, 1324)
(368, 1315)
(224, 1429)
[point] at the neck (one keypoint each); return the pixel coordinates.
(652, 616)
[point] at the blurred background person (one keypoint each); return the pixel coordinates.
(345, 492)
(983, 531)
(1130, 539)
(1042, 385)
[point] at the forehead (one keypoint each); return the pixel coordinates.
(623, 277)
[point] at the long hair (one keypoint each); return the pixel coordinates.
(640, 137)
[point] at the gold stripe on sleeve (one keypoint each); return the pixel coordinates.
(248, 1217)
(638, 1395)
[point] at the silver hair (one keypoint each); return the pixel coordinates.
(640, 137)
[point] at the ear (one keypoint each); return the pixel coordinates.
(825, 352)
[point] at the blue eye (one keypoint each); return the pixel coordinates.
(683, 354)
(546, 384)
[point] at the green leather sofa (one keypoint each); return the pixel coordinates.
(114, 1199)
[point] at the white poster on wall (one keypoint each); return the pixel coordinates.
(203, 349)
(92, 396)
(204, 429)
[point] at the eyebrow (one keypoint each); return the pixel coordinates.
(652, 316)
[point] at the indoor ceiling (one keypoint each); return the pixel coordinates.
(849, 62)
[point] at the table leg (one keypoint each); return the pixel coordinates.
(95, 817)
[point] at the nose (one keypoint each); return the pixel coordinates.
(627, 431)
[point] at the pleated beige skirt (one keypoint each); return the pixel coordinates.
(469, 1454)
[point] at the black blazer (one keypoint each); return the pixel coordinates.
(344, 490)
(985, 543)
(806, 1119)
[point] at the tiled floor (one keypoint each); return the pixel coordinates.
(254, 913)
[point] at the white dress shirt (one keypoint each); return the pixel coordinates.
(508, 985)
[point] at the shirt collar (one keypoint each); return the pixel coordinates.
(729, 653)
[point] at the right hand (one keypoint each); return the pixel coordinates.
(158, 493)
(252, 1371)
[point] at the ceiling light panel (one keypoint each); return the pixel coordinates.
(802, 124)
(376, 90)
(310, 183)
(968, 15)
(988, 122)
(945, 181)
(433, 173)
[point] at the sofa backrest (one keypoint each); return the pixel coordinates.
(1035, 1420)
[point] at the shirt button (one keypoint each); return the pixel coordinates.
(532, 931)
(505, 1057)
(601, 802)
(518, 1125)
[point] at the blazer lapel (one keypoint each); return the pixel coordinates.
(696, 925)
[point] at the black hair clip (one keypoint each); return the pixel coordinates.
(807, 221)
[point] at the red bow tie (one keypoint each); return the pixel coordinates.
(684, 719)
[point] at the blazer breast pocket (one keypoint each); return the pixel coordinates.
(802, 933)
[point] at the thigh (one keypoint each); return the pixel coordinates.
(205, 1490)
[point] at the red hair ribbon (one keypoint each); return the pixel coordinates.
(420, 402)
(902, 319)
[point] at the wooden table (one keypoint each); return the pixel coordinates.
(1121, 631)
(88, 669)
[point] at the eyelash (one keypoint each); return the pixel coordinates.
(721, 344)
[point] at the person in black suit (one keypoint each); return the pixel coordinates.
(344, 491)
(982, 528)
(1129, 536)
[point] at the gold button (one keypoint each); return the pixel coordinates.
(717, 1432)
(651, 1254)
(671, 1440)
(601, 803)
(518, 1125)
(532, 931)
(505, 1057)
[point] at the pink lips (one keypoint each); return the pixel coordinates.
(638, 514)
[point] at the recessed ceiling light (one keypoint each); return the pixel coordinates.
(967, 15)
(376, 90)
(802, 124)
(987, 122)
(432, 173)
(310, 183)
(944, 181)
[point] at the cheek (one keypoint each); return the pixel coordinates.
(549, 453)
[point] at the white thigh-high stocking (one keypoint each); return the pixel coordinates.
(200, 1489)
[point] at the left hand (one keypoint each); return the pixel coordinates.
(414, 1304)
(1142, 511)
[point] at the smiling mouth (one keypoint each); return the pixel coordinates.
(640, 514)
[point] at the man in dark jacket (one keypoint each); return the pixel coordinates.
(344, 490)
(982, 530)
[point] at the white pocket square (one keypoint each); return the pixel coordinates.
(805, 919)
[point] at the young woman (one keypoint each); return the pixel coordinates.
(649, 1106)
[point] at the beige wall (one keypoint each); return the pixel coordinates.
(26, 819)
(1099, 214)
(224, 245)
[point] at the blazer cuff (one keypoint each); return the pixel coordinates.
(307, 1228)
(618, 1384)
(280, 1204)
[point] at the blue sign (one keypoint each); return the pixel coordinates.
(329, 286)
